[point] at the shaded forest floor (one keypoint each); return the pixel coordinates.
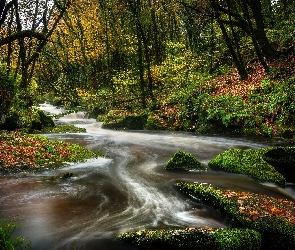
(263, 104)
(231, 84)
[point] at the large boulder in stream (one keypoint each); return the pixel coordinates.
(184, 161)
(273, 165)
(283, 160)
(121, 120)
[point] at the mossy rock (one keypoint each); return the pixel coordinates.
(42, 121)
(193, 238)
(283, 160)
(276, 233)
(273, 218)
(184, 161)
(130, 122)
(248, 162)
(67, 175)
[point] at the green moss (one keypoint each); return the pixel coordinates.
(271, 217)
(24, 152)
(205, 239)
(248, 162)
(69, 128)
(122, 120)
(8, 240)
(214, 197)
(185, 161)
(283, 160)
(276, 233)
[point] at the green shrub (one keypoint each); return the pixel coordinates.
(273, 106)
(153, 123)
(8, 241)
(268, 111)
(226, 110)
(205, 239)
(27, 119)
(184, 160)
(248, 162)
(7, 92)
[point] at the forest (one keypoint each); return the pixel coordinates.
(200, 66)
(218, 67)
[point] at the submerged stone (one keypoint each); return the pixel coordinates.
(67, 175)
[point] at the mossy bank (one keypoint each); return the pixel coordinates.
(193, 238)
(273, 218)
(24, 152)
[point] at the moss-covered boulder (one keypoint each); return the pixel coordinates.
(249, 162)
(44, 121)
(283, 160)
(183, 161)
(273, 218)
(29, 120)
(118, 119)
(192, 238)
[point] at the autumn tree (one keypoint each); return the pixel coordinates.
(26, 27)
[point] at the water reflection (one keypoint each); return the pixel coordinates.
(125, 192)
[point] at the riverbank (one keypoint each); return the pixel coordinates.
(20, 152)
(261, 105)
(257, 222)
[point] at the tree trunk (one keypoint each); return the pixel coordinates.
(240, 67)
(260, 35)
(141, 67)
(254, 39)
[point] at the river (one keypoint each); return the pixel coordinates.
(127, 191)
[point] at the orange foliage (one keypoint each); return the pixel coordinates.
(231, 84)
(256, 206)
(23, 152)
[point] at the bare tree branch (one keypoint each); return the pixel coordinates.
(22, 34)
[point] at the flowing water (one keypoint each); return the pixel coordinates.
(127, 191)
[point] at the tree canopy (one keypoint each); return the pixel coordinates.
(113, 54)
